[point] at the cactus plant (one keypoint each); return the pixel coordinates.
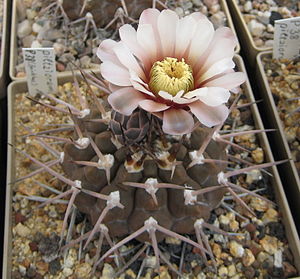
(148, 160)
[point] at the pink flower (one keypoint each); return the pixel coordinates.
(172, 67)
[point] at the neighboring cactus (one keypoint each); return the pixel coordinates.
(143, 169)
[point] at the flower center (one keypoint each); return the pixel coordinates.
(171, 76)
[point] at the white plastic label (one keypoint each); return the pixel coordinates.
(287, 38)
(40, 70)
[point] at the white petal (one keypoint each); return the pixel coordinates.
(165, 95)
(228, 81)
(125, 100)
(217, 68)
(196, 93)
(184, 33)
(215, 96)
(115, 74)
(105, 51)
(152, 106)
(209, 116)
(147, 40)
(167, 22)
(201, 40)
(177, 122)
(128, 60)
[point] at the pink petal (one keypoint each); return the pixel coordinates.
(222, 46)
(140, 85)
(167, 22)
(177, 122)
(196, 93)
(105, 51)
(228, 81)
(184, 33)
(125, 100)
(150, 17)
(219, 67)
(146, 39)
(209, 116)
(128, 60)
(151, 106)
(215, 96)
(201, 40)
(128, 36)
(115, 74)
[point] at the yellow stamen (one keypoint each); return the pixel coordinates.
(171, 76)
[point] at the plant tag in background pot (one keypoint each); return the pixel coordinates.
(40, 70)
(287, 38)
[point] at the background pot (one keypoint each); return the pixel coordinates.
(278, 140)
(14, 49)
(5, 47)
(21, 86)
(246, 40)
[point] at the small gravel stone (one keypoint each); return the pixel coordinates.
(22, 230)
(54, 266)
(258, 155)
(68, 271)
(236, 249)
(83, 271)
(24, 28)
(270, 244)
(231, 270)
(223, 271)
(256, 28)
(248, 258)
(107, 272)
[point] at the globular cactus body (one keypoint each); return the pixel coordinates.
(132, 164)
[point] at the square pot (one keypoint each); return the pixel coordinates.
(278, 139)
(5, 47)
(245, 37)
(21, 86)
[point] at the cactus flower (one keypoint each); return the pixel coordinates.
(179, 69)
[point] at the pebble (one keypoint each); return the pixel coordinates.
(22, 230)
(258, 155)
(270, 244)
(271, 215)
(83, 271)
(218, 19)
(236, 249)
(248, 258)
(256, 28)
(36, 44)
(24, 28)
(248, 6)
(107, 272)
(217, 250)
(264, 17)
(54, 266)
(223, 271)
(42, 267)
(68, 272)
(253, 176)
(27, 40)
(274, 16)
(36, 27)
(259, 204)
(31, 14)
(231, 270)
(269, 43)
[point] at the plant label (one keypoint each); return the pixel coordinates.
(40, 70)
(287, 38)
